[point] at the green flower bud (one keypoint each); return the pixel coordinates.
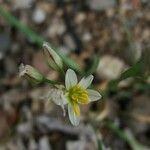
(53, 59)
(30, 73)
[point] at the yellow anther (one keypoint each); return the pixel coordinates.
(78, 94)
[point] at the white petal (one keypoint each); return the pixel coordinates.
(85, 82)
(64, 99)
(56, 95)
(73, 118)
(70, 79)
(94, 95)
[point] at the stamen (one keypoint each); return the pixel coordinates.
(78, 94)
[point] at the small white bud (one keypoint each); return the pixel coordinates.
(30, 73)
(52, 57)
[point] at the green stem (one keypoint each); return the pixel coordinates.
(21, 27)
(50, 81)
(35, 38)
(100, 143)
(134, 144)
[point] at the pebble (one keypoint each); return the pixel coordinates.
(57, 27)
(22, 4)
(48, 7)
(110, 67)
(39, 15)
(64, 49)
(69, 42)
(44, 143)
(76, 145)
(137, 51)
(80, 18)
(25, 129)
(101, 4)
(86, 37)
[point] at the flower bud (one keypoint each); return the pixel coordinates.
(52, 57)
(30, 73)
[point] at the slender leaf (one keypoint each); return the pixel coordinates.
(35, 38)
(135, 71)
(92, 66)
(134, 144)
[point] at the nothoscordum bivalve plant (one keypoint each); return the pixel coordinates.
(72, 95)
(75, 94)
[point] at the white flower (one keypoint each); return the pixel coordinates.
(75, 94)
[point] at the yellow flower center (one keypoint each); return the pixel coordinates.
(78, 95)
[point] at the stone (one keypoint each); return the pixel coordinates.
(69, 42)
(74, 145)
(86, 37)
(39, 15)
(57, 27)
(25, 129)
(80, 17)
(22, 4)
(110, 67)
(101, 4)
(44, 143)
